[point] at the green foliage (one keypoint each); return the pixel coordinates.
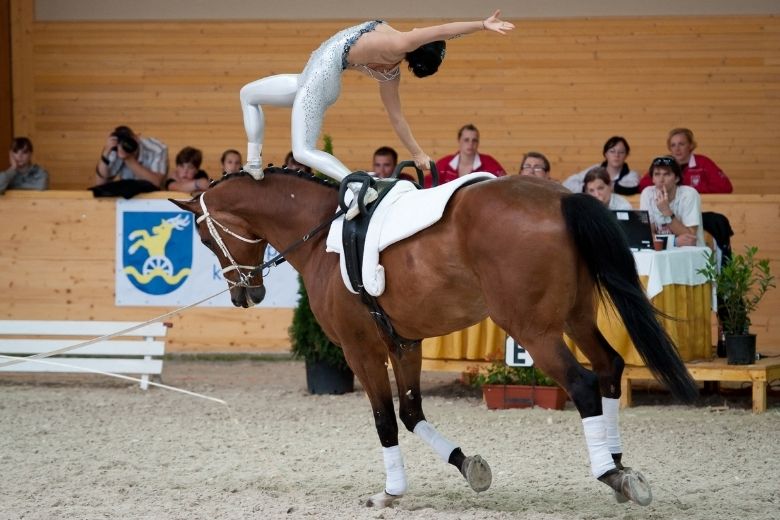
(741, 283)
(307, 338)
(499, 373)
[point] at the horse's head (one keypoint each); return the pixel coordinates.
(238, 249)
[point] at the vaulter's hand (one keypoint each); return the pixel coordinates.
(493, 23)
(422, 161)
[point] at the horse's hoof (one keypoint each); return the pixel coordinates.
(382, 499)
(629, 484)
(477, 473)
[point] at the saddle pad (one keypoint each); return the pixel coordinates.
(404, 211)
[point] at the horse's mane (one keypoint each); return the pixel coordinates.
(280, 171)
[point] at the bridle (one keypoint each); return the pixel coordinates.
(246, 272)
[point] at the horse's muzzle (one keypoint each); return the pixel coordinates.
(247, 296)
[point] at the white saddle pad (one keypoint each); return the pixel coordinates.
(404, 211)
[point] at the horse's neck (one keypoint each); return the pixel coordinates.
(291, 210)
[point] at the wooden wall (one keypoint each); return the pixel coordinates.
(57, 262)
(560, 86)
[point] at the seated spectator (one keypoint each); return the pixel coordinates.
(674, 209)
(187, 176)
(598, 183)
(231, 161)
(127, 156)
(384, 162)
(291, 164)
(698, 171)
(466, 160)
(624, 180)
(535, 164)
(22, 173)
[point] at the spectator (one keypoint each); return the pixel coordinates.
(130, 165)
(598, 183)
(22, 173)
(624, 180)
(231, 161)
(698, 171)
(384, 162)
(291, 164)
(466, 160)
(187, 176)
(535, 164)
(674, 209)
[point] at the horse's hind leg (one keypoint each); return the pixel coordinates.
(406, 366)
(552, 356)
(608, 366)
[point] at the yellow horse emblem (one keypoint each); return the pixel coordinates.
(157, 264)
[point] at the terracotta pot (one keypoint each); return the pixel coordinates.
(523, 396)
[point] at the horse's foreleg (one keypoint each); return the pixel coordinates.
(371, 371)
(406, 366)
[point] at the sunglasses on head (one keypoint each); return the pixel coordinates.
(665, 160)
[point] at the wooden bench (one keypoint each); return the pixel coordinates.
(137, 352)
(759, 373)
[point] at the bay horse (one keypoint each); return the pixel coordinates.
(524, 251)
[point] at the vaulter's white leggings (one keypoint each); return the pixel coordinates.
(308, 110)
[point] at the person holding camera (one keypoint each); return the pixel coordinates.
(128, 157)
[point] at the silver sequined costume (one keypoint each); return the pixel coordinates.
(309, 93)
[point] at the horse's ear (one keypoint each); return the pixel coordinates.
(187, 205)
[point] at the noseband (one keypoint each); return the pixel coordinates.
(211, 225)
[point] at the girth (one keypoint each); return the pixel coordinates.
(354, 236)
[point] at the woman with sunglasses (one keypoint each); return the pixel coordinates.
(674, 209)
(373, 48)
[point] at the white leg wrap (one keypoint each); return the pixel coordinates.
(395, 480)
(596, 438)
(611, 408)
(440, 444)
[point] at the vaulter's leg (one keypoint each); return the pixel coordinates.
(279, 90)
(371, 370)
(406, 367)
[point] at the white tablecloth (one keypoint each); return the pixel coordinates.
(674, 266)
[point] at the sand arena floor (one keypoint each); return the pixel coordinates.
(88, 447)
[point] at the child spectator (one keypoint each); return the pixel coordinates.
(231, 161)
(22, 173)
(187, 176)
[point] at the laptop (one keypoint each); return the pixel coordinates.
(636, 226)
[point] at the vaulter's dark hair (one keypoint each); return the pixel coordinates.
(426, 59)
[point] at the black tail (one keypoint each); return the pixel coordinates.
(604, 248)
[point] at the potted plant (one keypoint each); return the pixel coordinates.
(327, 371)
(505, 386)
(740, 284)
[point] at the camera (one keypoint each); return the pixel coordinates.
(125, 139)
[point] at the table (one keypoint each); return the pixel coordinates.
(671, 282)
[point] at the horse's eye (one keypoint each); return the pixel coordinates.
(206, 242)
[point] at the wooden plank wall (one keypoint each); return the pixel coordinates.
(560, 86)
(57, 262)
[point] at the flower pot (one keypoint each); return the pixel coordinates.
(523, 396)
(322, 378)
(741, 349)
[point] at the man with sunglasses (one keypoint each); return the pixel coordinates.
(674, 209)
